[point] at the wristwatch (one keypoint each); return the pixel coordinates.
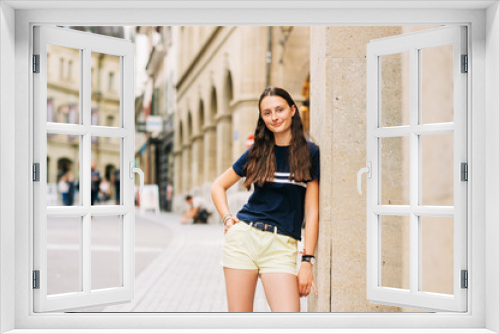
(308, 258)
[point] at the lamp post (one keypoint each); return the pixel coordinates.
(286, 31)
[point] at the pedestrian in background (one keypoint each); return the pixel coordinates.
(196, 212)
(169, 192)
(262, 239)
(66, 185)
(116, 181)
(104, 190)
(95, 182)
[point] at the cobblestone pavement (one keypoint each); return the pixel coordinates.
(186, 276)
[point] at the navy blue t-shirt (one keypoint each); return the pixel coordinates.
(281, 202)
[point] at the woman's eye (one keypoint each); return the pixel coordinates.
(280, 109)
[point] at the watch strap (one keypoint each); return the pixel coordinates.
(307, 258)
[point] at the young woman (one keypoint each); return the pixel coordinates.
(261, 240)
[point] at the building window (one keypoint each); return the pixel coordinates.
(111, 81)
(70, 69)
(61, 68)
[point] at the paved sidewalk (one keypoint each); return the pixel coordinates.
(186, 276)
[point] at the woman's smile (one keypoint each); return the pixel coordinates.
(277, 114)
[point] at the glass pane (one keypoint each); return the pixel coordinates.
(63, 169)
(63, 84)
(395, 171)
(106, 248)
(105, 174)
(437, 169)
(437, 84)
(395, 89)
(395, 251)
(437, 254)
(63, 254)
(105, 83)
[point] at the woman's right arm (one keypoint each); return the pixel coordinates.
(218, 191)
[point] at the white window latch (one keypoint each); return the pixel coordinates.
(133, 170)
(368, 171)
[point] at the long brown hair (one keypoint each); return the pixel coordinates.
(261, 163)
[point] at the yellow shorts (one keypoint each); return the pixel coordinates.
(246, 247)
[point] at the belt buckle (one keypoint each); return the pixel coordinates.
(267, 227)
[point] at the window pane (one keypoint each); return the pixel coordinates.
(63, 84)
(106, 247)
(63, 170)
(395, 171)
(437, 84)
(437, 169)
(394, 89)
(437, 254)
(395, 251)
(63, 254)
(105, 183)
(105, 83)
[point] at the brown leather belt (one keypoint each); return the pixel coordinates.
(264, 227)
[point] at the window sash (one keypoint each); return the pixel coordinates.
(86, 43)
(413, 42)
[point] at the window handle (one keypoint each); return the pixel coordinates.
(368, 171)
(133, 170)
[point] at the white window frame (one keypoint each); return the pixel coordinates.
(414, 43)
(86, 43)
(484, 147)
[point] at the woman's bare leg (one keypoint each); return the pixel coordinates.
(240, 288)
(282, 292)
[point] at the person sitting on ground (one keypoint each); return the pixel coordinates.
(197, 211)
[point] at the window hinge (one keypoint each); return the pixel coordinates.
(465, 63)
(465, 171)
(36, 279)
(465, 279)
(36, 172)
(36, 63)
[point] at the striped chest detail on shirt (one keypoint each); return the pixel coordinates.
(283, 178)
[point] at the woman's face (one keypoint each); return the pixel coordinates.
(277, 114)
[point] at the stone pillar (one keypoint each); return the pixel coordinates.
(321, 130)
(224, 142)
(178, 172)
(210, 154)
(186, 168)
(245, 117)
(197, 161)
